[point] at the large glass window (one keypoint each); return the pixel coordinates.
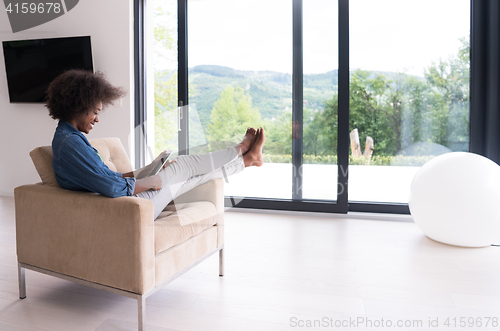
(408, 96)
(320, 99)
(240, 75)
(161, 77)
(409, 91)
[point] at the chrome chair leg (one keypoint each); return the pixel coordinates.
(221, 262)
(142, 312)
(22, 282)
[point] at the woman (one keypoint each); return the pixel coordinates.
(76, 98)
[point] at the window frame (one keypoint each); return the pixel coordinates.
(342, 204)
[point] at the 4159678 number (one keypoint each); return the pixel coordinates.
(31, 7)
(472, 322)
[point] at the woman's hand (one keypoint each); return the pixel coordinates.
(153, 182)
(128, 174)
(168, 163)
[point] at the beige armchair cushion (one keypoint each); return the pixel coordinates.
(42, 159)
(170, 231)
(180, 256)
(111, 150)
(113, 154)
(213, 192)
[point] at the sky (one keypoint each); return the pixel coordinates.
(385, 35)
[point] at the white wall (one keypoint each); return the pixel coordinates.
(26, 126)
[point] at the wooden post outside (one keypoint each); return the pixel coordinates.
(355, 146)
(369, 146)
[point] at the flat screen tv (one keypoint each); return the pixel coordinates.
(32, 64)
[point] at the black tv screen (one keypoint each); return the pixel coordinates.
(32, 64)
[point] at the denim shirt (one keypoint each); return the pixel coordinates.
(79, 167)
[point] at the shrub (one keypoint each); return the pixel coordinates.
(400, 160)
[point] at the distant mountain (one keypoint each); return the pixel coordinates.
(271, 92)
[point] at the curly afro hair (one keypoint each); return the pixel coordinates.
(77, 91)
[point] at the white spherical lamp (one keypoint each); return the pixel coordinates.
(455, 199)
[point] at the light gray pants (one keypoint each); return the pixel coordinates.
(189, 171)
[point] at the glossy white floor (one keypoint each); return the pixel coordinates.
(282, 272)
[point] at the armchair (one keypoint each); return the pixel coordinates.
(114, 244)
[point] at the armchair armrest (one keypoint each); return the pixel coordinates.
(212, 191)
(109, 241)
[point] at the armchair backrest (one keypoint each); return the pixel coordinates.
(111, 150)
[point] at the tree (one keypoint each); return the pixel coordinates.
(165, 85)
(165, 96)
(231, 115)
(279, 134)
(320, 133)
(375, 109)
(415, 125)
(449, 81)
(313, 137)
(399, 110)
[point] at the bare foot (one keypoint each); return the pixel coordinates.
(254, 156)
(247, 142)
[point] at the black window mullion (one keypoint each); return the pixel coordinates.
(298, 104)
(139, 86)
(343, 106)
(182, 73)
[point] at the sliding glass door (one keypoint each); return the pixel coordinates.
(240, 76)
(161, 120)
(320, 100)
(272, 64)
(365, 90)
(409, 88)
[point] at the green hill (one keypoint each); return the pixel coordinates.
(271, 92)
